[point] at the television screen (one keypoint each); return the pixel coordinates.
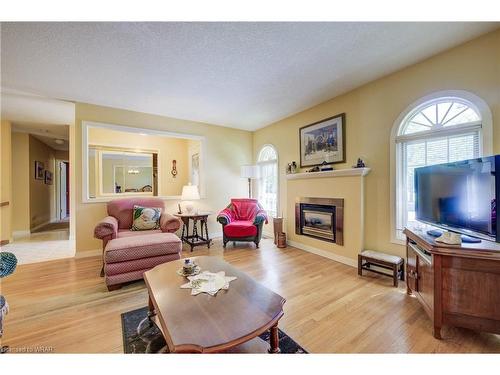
(460, 196)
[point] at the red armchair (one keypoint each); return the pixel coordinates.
(242, 220)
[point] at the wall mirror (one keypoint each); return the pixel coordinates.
(122, 161)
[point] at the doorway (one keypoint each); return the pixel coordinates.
(63, 190)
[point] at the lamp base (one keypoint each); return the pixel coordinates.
(189, 208)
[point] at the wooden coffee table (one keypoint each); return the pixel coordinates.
(230, 321)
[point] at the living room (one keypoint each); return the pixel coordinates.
(284, 162)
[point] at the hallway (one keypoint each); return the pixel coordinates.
(48, 243)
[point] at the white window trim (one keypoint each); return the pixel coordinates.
(260, 163)
(485, 143)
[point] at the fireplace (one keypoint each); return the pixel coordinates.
(321, 218)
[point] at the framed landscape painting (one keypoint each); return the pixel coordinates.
(323, 141)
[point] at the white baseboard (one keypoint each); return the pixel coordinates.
(326, 254)
(215, 234)
(20, 234)
(88, 253)
(40, 226)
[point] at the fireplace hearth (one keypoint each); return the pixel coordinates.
(321, 218)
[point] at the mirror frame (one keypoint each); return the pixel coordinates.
(141, 131)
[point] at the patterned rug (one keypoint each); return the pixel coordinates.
(150, 340)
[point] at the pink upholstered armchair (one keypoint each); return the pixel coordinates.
(118, 223)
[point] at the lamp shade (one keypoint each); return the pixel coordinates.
(250, 171)
(190, 193)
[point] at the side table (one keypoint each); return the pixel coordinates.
(195, 238)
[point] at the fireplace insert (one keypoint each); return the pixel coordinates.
(320, 218)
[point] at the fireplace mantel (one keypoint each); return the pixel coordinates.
(335, 173)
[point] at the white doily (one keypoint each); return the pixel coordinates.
(208, 282)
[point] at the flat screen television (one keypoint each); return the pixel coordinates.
(460, 196)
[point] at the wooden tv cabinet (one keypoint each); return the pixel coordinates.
(457, 285)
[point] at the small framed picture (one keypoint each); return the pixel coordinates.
(48, 177)
(39, 170)
(323, 141)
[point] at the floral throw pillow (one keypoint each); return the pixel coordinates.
(146, 218)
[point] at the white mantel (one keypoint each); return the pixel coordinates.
(335, 173)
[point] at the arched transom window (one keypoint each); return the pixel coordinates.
(442, 130)
(268, 182)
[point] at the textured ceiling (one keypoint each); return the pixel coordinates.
(242, 75)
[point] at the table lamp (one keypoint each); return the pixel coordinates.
(252, 172)
(189, 194)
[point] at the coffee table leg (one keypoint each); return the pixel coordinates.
(151, 311)
(274, 340)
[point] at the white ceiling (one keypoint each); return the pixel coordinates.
(242, 75)
(25, 108)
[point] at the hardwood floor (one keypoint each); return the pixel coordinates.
(64, 305)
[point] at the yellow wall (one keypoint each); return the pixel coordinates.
(42, 195)
(227, 150)
(5, 180)
(21, 183)
(370, 113)
(62, 155)
(350, 189)
(168, 149)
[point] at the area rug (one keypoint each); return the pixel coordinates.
(150, 340)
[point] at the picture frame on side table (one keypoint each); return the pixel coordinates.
(39, 170)
(323, 141)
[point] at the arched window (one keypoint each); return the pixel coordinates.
(268, 182)
(438, 130)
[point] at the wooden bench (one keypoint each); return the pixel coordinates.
(369, 258)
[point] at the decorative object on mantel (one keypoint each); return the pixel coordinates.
(291, 167)
(323, 141)
(174, 168)
(282, 240)
(313, 169)
(208, 282)
(326, 167)
(359, 164)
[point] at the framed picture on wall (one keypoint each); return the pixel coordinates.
(323, 141)
(39, 170)
(195, 169)
(48, 178)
